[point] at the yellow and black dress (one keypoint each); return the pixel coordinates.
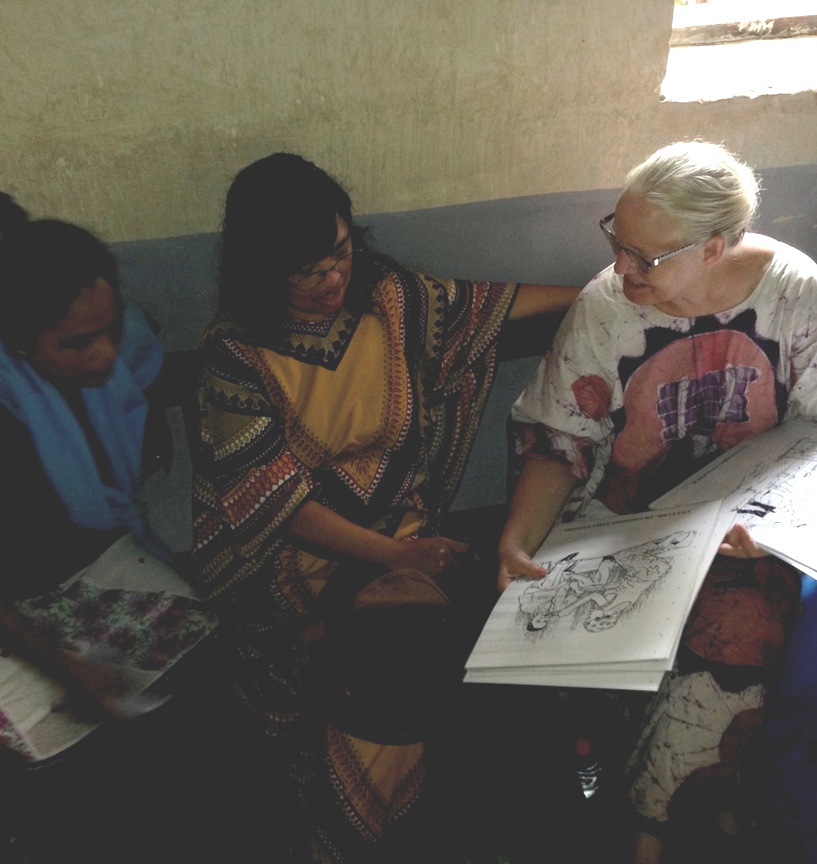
(373, 415)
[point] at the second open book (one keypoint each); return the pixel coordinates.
(611, 609)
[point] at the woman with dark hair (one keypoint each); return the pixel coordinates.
(340, 398)
(271, 227)
(63, 327)
(75, 363)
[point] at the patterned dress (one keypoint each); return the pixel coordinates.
(372, 415)
(637, 400)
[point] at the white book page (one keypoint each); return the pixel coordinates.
(769, 485)
(617, 590)
(795, 546)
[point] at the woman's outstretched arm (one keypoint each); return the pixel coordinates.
(322, 529)
(538, 299)
(541, 492)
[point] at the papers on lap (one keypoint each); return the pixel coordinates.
(128, 611)
(610, 611)
(769, 484)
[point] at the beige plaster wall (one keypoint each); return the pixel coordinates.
(131, 116)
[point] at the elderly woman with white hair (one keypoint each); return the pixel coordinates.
(699, 336)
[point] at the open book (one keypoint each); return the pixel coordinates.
(610, 611)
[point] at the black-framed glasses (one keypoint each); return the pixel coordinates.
(307, 281)
(643, 264)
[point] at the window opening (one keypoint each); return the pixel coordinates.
(720, 49)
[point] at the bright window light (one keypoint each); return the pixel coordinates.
(721, 49)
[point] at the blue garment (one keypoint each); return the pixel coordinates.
(791, 730)
(117, 410)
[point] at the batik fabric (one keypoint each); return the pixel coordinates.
(636, 400)
(370, 414)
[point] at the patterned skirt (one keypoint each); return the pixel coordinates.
(353, 693)
(703, 736)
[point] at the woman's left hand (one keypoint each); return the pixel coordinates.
(429, 555)
(738, 544)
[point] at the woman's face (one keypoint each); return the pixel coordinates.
(81, 349)
(674, 286)
(318, 289)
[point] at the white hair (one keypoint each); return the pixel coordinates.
(702, 185)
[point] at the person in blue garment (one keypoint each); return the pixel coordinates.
(76, 361)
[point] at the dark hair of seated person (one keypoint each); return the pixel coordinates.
(12, 216)
(44, 267)
(281, 215)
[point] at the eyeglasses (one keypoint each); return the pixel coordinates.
(643, 264)
(307, 281)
